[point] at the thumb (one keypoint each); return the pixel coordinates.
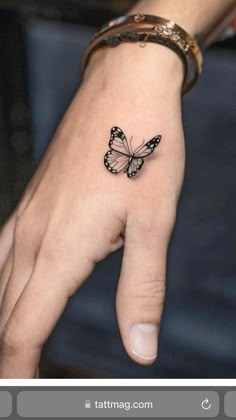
(141, 290)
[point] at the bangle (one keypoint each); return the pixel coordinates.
(165, 32)
(142, 38)
(169, 29)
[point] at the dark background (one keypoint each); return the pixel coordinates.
(41, 43)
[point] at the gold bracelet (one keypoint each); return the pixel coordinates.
(162, 27)
(169, 27)
(141, 36)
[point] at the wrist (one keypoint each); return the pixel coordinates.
(153, 68)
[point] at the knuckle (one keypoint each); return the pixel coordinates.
(9, 342)
(21, 230)
(150, 292)
(24, 239)
(50, 249)
(22, 204)
(146, 299)
(27, 229)
(24, 226)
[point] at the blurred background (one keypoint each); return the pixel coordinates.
(41, 43)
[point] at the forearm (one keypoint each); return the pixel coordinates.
(207, 17)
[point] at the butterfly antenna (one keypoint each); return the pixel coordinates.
(140, 147)
(131, 148)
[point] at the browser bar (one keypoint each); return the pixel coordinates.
(118, 404)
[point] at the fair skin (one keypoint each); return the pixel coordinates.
(74, 212)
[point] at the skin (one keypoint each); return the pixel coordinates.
(58, 232)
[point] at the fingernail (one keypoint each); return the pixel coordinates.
(144, 339)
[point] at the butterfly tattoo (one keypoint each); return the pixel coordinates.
(122, 158)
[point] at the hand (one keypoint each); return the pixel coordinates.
(74, 212)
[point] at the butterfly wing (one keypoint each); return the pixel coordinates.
(146, 149)
(116, 162)
(134, 167)
(119, 142)
(120, 158)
